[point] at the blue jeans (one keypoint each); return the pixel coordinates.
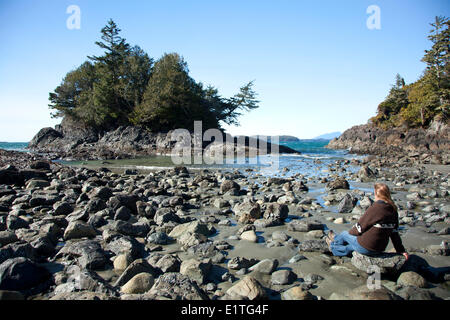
(345, 243)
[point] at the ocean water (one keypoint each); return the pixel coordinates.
(16, 146)
(313, 160)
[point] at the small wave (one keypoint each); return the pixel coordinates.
(307, 156)
(289, 155)
(316, 157)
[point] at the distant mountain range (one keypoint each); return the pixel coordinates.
(284, 138)
(329, 136)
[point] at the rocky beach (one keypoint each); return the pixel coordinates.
(74, 232)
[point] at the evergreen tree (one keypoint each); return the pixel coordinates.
(135, 73)
(66, 98)
(116, 50)
(437, 60)
(230, 109)
(423, 100)
(428, 98)
(110, 107)
(171, 97)
(397, 99)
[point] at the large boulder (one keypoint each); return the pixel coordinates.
(297, 293)
(123, 213)
(124, 200)
(304, 226)
(415, 293)
(195, 270)
(11, 176)
(88, 254)
(190, 227)
(43, 137)
(266, 266)
(14, 223)
(165, 215)
(62, 208)
(83, 280)
(282, 277)
(158, 237)
(388, 263)
(125, 244)
(276, 212)
(18, 249)
(249, 235)
(140, 283)
(19, 274)
(248, 288)
(299, 186)
(165, 263)
(238, 263)
(131, 229)
(347, 203)
(249, 211)
(37, 184)
(339, 183)
(122, 261)
(411, 278)
(79, 229)
(276, 181)
(228, 185)
(314, 246)
(136, 267)
(7, 237)
(206, 250)
(103, 193)
(365, 173)
(365, 293)
(187, 240)
(176, 286)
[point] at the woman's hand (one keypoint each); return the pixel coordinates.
(406, 255)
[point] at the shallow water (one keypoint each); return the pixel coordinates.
(262, 165)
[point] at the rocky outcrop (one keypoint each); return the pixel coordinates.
(429, 145)
(387, 263)
(73, 140)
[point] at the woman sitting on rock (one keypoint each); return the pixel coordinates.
(372, 232)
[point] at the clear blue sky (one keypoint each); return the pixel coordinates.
(317, 67)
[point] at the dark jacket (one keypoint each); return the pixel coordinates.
(376, 226)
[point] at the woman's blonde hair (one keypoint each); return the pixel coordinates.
(382, 191)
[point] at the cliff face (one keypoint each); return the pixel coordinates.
(429, 145)
(74, 141)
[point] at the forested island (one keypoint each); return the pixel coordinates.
(124, 104)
